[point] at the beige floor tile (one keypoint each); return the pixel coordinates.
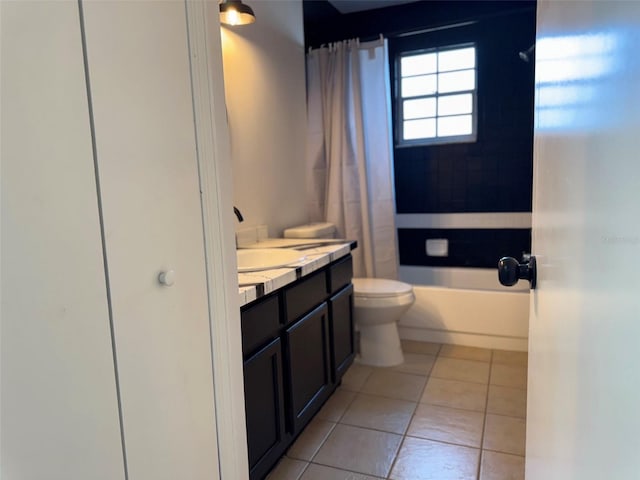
(507, 401)
(359, 450)
(310, 440)
(504, 434)
(508, 376)
(462, 370)
(455, 394)
(356, 376)
(412, 346)
(427, 460)
(337, 404)
(321, 472)
(379, 413)
(518, 359)
(466, 353)
(287, 469)
(500, 466)
(416, 363)
(395, 385)
(451, 425)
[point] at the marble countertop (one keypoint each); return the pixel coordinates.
(318, 253)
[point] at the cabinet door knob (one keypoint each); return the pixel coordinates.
(167, 278)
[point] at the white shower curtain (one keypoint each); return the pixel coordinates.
(349, 167)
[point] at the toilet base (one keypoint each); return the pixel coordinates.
(380, 345)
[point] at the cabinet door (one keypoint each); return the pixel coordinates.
(341, 329)
(138, 63)
(58, 404)
(307, 347)
(264, 406)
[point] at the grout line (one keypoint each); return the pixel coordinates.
(484, 423)
(463, 381)
(458, 408)
(346, 470)
(377, 429)
(503, 452)
(444, 442)
(404, 437)
(303, 470)
(395, 457)
(453, 408)
(507, 416)
(344, 412)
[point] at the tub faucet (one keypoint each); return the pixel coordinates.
(238, 214)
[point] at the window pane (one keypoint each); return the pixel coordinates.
(416, 86)
(418, 64)
(424, 128)
(456, 81)
(458, 125)
(455, 104)
(419, 108)
(457, 59)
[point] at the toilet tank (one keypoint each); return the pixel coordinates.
(312, 230)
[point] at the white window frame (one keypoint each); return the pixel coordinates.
(472, 137)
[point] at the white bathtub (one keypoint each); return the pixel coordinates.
(473, 317)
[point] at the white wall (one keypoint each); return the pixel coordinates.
(265, 90)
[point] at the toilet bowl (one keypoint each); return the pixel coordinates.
(378, 304)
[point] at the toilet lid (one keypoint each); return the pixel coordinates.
(379, 287)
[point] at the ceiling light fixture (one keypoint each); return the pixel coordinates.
(234, 12)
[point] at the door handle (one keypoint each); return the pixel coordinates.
(510, 271)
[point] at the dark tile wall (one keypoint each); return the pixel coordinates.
(493, 174)
(475, 248)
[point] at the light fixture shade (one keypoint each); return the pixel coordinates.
(234, 12)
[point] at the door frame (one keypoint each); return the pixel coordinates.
(214, 166)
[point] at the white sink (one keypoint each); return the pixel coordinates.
(255, 259)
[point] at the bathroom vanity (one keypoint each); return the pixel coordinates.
(297, 342)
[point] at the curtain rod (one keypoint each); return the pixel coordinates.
(464, 23)
(432, 29)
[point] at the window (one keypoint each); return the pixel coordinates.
(437, 96)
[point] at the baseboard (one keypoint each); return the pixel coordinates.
(463, 338)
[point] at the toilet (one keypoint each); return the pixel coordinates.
(378, 305)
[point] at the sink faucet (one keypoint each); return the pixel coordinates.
(240, 219)
(238, 214)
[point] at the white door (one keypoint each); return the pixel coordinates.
(584, 368)
(138, 64)
(58, 404)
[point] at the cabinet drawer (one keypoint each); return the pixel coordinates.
(306, 295)
(260, 323)
(340, 274)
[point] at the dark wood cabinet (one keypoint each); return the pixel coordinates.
(341, 332)
(265, 408)
(260, 323)
(305, 295)
(308, 365)
(297, 343)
